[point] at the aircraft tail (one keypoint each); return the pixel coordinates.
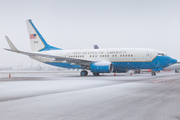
(38, 43)
(96, 47)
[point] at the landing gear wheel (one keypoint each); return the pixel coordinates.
(137, 71)
(84, 73)
(176, 71)
(96, 74)
(153, 73)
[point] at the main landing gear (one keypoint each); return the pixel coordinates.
(84, 73)
(153, 73)
(96, 74)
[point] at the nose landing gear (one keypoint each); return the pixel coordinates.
(176, 71)
(153, 73)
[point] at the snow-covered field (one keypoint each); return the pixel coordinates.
(56, 96)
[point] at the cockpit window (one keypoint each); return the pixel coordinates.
(161, 54)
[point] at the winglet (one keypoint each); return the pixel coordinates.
(13, 48)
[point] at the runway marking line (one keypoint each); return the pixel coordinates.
(156, 81)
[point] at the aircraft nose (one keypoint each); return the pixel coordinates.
(173, 61)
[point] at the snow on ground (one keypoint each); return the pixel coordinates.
(24, 85)
(72, 97)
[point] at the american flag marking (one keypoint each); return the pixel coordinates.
(32, 36)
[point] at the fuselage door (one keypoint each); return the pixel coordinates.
(148, 56)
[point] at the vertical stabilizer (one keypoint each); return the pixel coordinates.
(37, 41)
(96, 47)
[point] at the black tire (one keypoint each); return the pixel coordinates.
(153, 73)
(176, 71)
(96, 74)
(84, 73)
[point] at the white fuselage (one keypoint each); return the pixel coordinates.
(112, 55)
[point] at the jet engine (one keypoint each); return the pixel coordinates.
(101, 67)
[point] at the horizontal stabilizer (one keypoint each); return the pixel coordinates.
(11, 45)
(41, 54)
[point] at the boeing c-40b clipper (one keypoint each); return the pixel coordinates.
(96, 60)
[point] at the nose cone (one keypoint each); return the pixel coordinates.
(172, 61)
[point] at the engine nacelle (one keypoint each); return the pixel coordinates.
(101, 67)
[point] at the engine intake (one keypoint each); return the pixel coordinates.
(101, 67)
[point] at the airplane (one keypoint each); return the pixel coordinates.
(175, 67)
(96, 60)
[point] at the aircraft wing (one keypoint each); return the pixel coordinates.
(74, 61)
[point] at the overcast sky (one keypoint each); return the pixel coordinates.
(75, 24)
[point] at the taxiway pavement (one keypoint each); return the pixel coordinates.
(71, 97)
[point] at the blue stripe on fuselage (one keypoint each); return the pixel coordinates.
(158, 62)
